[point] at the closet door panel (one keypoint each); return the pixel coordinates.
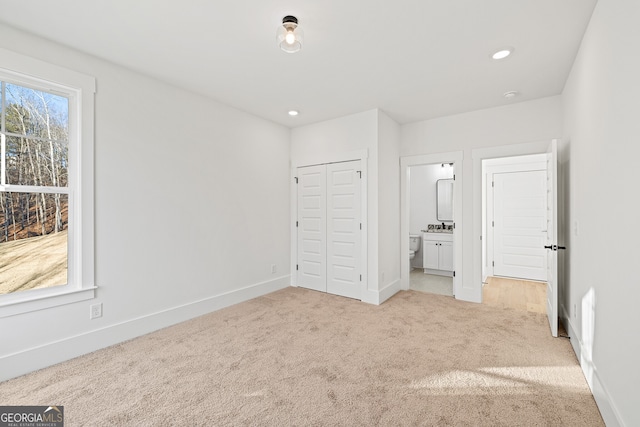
(343, 229)
(312, 228)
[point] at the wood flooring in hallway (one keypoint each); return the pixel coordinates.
(519, 294)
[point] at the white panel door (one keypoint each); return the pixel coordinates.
(343, 229)
(520, 219)
(552, 237)
(312, 229)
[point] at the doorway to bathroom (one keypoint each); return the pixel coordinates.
(431, 228)
(431, 223)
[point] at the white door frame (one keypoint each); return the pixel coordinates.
(361, 155)
(455, 157)
(552, 236)
(478, 155)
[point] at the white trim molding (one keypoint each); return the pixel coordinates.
(80, 90)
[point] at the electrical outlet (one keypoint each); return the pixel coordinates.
(273, 269)
(95, 311)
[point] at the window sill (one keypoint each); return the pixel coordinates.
(43, 299)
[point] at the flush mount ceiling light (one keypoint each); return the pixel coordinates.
(290, 35)
(502, 53)
(293, 113)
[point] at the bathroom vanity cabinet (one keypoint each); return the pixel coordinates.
(437, 252)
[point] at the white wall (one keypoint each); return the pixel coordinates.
(388, 205)
(602, 126)
(538, 120)
(191, 202)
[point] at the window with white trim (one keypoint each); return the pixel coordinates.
(46, 185)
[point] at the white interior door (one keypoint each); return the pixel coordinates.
(520, 218)
(312, 233)
(552, 237)
(343, 229)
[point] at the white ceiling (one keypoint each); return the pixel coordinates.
(414, 59)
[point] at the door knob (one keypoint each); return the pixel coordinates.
(555, 247)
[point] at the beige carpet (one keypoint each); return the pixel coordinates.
(298, 357)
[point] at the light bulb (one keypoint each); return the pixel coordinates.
(290, 38)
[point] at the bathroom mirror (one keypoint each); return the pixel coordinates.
(444, 202)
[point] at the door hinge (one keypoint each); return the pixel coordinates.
(361, 277)
(493, 263)
(454, 177)
(360, 226)
(296, 223)
(493, 224)
(296, 267)
(359, 174)
(296, 178)
(454, 225)
(493, 184)
(454, 273)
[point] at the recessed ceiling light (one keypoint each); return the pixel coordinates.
(503, 53)
(511, 94)
(293, 112)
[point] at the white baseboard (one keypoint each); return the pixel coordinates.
(378, 297)
(23, 362)
(608, 410)
(388, 291)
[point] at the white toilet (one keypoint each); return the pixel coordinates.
(414, 245)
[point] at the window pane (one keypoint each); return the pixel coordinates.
(33, 241)
(35, 113)
(30, 162)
